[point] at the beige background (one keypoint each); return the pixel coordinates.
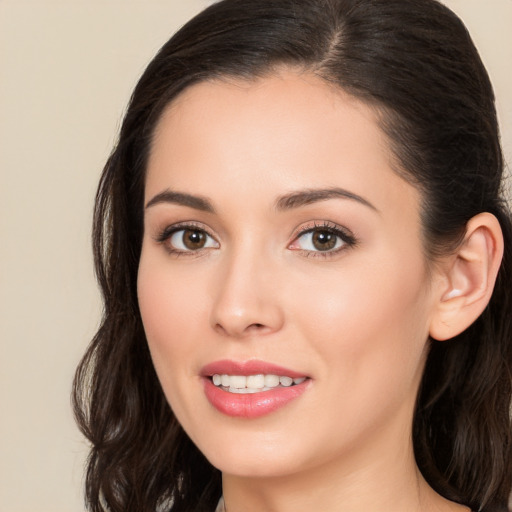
(66, 71)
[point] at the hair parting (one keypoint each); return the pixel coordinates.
(415, 62)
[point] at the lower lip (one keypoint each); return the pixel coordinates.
(252, 405)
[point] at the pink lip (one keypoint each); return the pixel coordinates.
(251, 367)
(251, 405)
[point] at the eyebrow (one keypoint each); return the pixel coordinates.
(286, 202)
(309, 196)
(196, 202)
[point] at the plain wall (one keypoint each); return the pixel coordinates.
(66, 71)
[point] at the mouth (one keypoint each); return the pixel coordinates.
(247, 384)
(251, 389)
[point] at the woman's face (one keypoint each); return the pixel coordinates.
(279, 242)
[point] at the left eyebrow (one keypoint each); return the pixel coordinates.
(309, 196)
(169, 196)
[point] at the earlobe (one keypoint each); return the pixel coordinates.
(469, 276)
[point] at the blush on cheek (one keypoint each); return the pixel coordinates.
(171, 311)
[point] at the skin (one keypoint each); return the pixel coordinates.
(355, 321)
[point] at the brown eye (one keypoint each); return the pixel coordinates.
(324, 240)
(194, 239)
(187, 239)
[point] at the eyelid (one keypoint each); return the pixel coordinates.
(346, 236)
(164, 235)
(168, 229)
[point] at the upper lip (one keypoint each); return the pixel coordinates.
(250, 367)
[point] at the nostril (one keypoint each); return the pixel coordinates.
(251, 328)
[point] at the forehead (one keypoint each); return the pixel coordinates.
(284, 131)
(274, 102)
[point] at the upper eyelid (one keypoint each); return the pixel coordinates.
(164, 235)
(346, 235)
(300, 230)
(177, 226)
(319, 225)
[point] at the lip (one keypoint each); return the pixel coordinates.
(250, 367)
(251, 405)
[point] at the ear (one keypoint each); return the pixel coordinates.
(467, 278)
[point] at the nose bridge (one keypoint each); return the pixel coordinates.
(245, 296)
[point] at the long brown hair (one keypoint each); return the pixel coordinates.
(413, 60)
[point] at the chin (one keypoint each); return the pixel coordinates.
(255, 467)
(261, 455)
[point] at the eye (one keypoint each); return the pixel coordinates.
(325, 238)
(319, 240)
(187, 239)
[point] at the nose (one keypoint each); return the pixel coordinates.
(246, 298)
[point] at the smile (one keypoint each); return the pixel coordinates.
(252, 388)
(242, 384)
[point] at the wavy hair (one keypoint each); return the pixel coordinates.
(415, 62)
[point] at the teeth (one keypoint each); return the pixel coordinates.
(244, 391)
(238, 381)
(285, 381)
(253, 383)
(256, 381)
(271, 381)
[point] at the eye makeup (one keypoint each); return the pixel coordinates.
(323, 239)
(315, 239)
(194, 239)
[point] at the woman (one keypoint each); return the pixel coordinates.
(305, 260)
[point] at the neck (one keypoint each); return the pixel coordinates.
(382, 479)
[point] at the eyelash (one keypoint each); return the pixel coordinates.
(347, 238)
(166, 234)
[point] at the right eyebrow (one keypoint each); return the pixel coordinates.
(308, 196)
(168, 196)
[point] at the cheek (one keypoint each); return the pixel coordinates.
(170, 305)
(370, 326)
(166, 304)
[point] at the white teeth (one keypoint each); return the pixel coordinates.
(253, 383)
(256, 381)
(271, 381)
(238, 381)
(244, 391)
(285, 381)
